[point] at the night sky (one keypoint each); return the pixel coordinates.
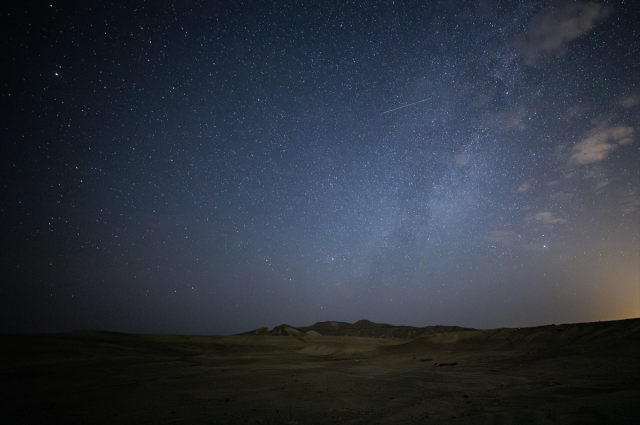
(215, 167)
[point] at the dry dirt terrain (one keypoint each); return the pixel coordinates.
(585, 373)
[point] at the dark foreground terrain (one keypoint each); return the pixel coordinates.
(585, 373)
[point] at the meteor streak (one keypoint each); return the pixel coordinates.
(405, 106)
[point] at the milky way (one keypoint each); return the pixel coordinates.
(210, 167)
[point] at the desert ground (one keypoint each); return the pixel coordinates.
(586, 373)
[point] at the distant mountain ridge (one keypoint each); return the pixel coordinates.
(361, 328)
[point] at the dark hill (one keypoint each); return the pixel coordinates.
(361, 328)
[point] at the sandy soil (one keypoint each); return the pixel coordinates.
(568, 374)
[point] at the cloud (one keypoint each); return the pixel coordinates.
(597, 174)
(461, 158)
(502, 237)
(576, 110)
(510, 119)
(561, 196)
(524, 187)
(549, 218)
(551, 30)
(600, 142)
(512, 239)
(631, 203)
(630, 100)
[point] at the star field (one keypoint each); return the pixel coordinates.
(215, 167)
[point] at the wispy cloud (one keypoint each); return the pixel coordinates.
(600, 142)
(630, 100)
(512, 239)
(631, 203)
(502, 237)
(551, 30)
(548, 217)
(598, 175)
(510, 119)
(524, 187)
(561, 196)
(576, 110)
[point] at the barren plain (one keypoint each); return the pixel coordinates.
(587, 373)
